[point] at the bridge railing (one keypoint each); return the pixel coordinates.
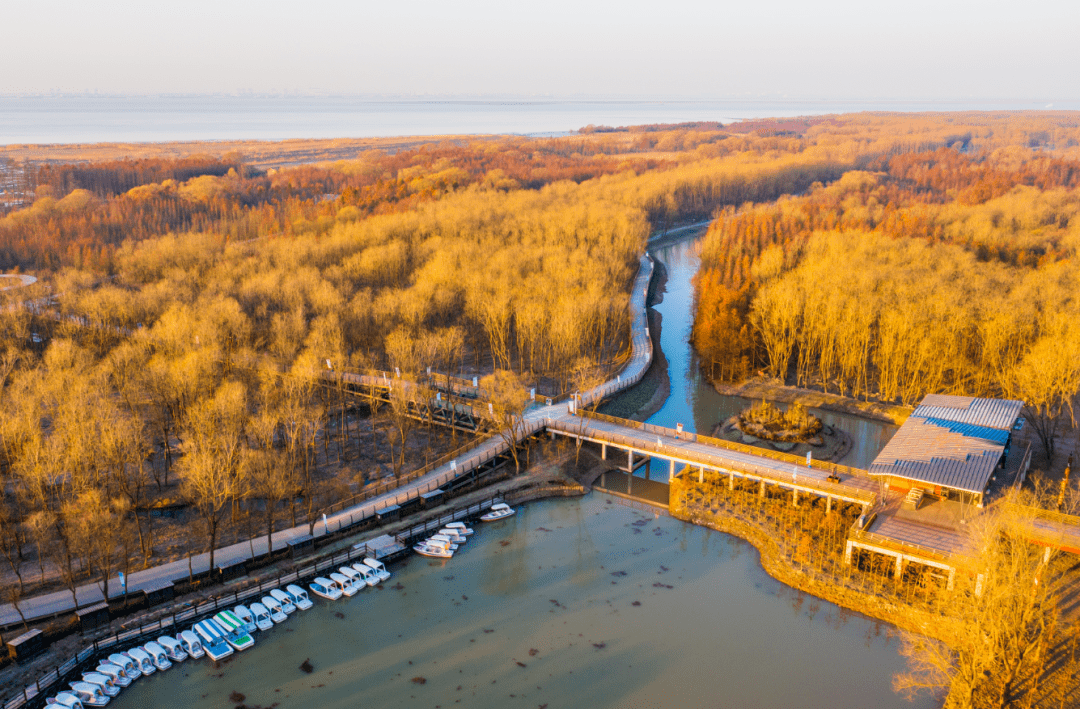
(718, 462)
(729, 445)
(857, 533)
(384, 488)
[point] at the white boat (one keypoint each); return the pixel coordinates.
(498, 511)
(325, 588)
(367, 574)
(247, 618)
(345, 583)
(131, 668)
(262, 616)
(276, 614)
(354, 577)
(115, 672)
(441, 544)
(108, 687)
(299, 597)
(173, 648)
(213, 639)
(157, 653)
(235, 634)
(65, 699)
(452, 535)
(461, 528)
(443, 539)
(425, 549)
(378, 567)
(89, 694)
(191, 644)
(285, 600)
(143, 660)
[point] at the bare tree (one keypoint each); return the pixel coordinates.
(212, 455)
(508, 402)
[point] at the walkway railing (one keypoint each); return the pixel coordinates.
(367, 494)
(857, 533)
(718, 462)
(729, 445)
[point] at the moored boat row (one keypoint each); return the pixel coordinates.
(445, 542)
(230, 631)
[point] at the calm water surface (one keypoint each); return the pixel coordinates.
(578, 603)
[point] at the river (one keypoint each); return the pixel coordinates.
(572, 603)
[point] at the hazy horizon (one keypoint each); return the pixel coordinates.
(834, 50)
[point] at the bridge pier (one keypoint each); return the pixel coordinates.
(794, 498)
(648, 468)
(630, 462)
(761, 488)
(671, 472)
(603, 451)
(701, 474)
(731, 480)
(828, 504)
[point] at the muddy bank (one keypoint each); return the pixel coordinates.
(771, 389)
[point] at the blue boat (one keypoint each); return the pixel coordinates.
(213, 639)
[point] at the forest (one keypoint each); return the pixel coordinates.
(172, 354)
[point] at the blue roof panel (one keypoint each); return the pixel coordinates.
(994, 435)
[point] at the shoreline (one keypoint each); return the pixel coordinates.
(773, 390)
(772, 562)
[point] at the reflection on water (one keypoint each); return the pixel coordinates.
(572, 603)
(696, 404)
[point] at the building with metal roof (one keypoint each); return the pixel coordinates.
(950, 446)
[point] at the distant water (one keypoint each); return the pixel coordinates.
(91, 118)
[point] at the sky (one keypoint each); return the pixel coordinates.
(823, 49)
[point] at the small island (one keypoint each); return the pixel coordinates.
(795, 430)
